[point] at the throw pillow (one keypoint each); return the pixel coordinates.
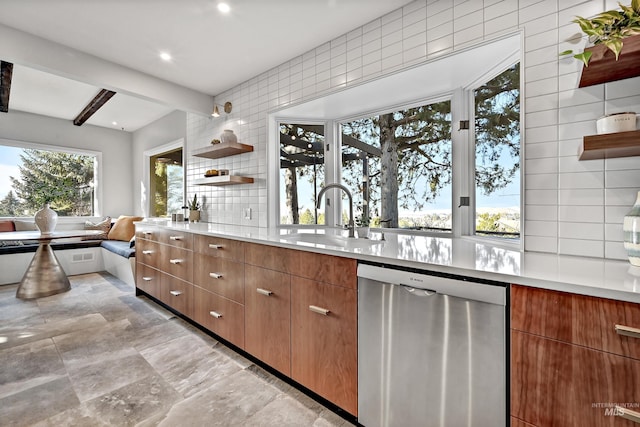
(25, 225)
(104, 226)
(123, 229)
(7, 226)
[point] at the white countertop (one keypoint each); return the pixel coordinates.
(462, 256)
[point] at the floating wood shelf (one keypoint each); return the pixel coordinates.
(610, 145)
(224, 180)
(603, 66)
(224, 149)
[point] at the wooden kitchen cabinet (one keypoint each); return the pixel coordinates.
(219, 275)
(220, 315)
(324, 338)
(568, 365)
(177, 294)
(148, 280)
(268, 317)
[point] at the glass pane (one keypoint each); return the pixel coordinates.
(398, 167)
(29, 178)
(497, 149)
(301, 173)
(167, 183)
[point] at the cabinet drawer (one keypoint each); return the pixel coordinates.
(268, 317)
(148, 280)
(149, 253)
(271, 257)
(578, 319)
(219, 275)
(218, 247)
(325, 268)
(178, 262)
(179, 239)
(324, 353)
(559, 384)
(147, 232)
(177, 294)
(219, 315)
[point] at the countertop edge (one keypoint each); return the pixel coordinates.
(527, 278)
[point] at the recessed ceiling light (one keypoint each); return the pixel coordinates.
(165, 56)
(224, 7)
(114, 123)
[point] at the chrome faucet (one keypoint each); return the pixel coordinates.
(351, 225)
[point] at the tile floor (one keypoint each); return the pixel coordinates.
(100, 356)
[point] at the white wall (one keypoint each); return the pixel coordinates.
(571, 207)
(114, 145)
(167, 129)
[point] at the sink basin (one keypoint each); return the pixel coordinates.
(333, 240)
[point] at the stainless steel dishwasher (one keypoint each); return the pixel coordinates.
(431, 350)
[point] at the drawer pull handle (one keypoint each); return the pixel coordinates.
(627, 414)
(319, 310)
(215, 275)
(175, 261)
(215, 314)
(175, 293)
(147, 279)
(147, 252)
(264, 292)
(627, 331)
(147, 233)
(212, 246)
(175, 237)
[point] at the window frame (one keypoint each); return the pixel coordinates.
(146, 170)
(97, 172)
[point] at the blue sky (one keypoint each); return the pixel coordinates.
(9, 158)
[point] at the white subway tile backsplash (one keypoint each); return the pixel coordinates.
(541, 72)
(577, 197)
(581, 230)
(591, 214)
(589, 248)
(540, 244)
(500, 8)
(622, 178)
(543, 165)
(570, 206)
(503, 23)
(615, 250)
(542, 118)
(540, 213)
(541, 150)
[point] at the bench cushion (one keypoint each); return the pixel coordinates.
(119, 247)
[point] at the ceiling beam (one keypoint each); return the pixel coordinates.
(6, 73)
(96, 103)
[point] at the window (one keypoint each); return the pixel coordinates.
(302, 172)
(167, 183)
(497, 155)
(398, 167)
(30, 177)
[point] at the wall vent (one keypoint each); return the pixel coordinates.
(83, 257)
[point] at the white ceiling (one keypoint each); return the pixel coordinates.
(211, 52)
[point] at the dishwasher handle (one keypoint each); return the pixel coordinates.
(419, 292)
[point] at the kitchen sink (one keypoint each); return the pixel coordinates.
(333, 240)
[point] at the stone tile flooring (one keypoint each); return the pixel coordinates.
(100, 356)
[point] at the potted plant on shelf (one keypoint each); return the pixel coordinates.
(615, 35)
(194, 209)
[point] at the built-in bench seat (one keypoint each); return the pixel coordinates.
(75, 255)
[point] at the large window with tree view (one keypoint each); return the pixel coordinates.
(400, 166)
(31, 177)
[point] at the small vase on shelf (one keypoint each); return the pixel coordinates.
(194, 216)
(46, 219)
(631, 229)
(228, 137)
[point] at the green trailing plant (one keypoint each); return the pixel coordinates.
(609, 28)
(194, 205)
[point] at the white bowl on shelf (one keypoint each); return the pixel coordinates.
(618, 122)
